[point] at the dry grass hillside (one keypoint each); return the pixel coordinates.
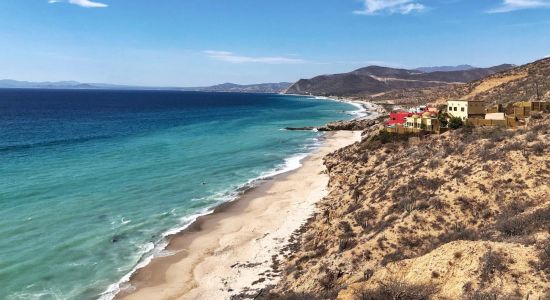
(463, 215)
(517, 84)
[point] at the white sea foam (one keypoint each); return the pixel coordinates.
(159, 250)
(363, 109)
(150, 250)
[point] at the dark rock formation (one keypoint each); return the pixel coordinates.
(307, 128)
(348, 125)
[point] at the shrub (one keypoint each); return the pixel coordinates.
(538, 148)
(384, 136)
(328, 280)
(544, 258)
(459, 233)
(437, 203)
(428, 183)
(536, 116)
(346, 228)
(513, 146)
(455, 123)
(523, 224)
(499, 135)
(531, 136)
(466, 203)
(398, 290)
(541, 128)
(491, 263)
(362, 217)
(353, 207)
(396, 255)
(346, 244)
(289, 296)
(486, 295)
(433, 163)
(487, 155)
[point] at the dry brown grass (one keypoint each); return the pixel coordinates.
(395, 201)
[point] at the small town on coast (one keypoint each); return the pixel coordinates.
(457, 113)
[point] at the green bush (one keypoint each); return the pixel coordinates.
(455, 123)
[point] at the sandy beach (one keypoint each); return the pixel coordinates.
(227, 251)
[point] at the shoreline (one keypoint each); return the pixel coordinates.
(126, 286)
(228, 250)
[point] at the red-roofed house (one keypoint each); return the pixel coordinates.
(398, 117)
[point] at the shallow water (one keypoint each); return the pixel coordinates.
(91, 181)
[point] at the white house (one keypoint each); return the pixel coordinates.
(465, 109)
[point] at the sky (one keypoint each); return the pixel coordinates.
(205, 42)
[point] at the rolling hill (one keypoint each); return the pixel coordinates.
(527, 82)
(375, 80)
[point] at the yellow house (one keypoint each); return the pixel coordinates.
(427, 122)
(465, 109)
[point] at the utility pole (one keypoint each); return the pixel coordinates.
(537, 87)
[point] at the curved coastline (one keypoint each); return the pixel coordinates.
(166, 251)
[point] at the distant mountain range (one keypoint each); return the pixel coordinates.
(226, 87)
(361, 82)
(251, 88)
(375, 79)
(8, 83)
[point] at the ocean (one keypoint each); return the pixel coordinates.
(92, 181)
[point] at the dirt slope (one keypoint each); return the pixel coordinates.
(461, 215)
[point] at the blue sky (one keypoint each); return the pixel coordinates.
(203, 42)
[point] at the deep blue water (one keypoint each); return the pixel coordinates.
(91, 181)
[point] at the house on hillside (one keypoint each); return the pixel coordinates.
(465, 109)
(523, 109)
(498, 108)
(540, 106)
(398, 117)
(426, 121)
(495, 116)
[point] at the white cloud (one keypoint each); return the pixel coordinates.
(238, 59)
(513, 5)
(83, 3)
(403, 7)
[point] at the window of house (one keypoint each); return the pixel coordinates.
(462, 109)
(456, 108)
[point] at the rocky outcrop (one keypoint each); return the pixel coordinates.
(307, 128)
(353, 125)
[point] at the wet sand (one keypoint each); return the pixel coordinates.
(227, 251)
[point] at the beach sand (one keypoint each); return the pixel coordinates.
(227, 251)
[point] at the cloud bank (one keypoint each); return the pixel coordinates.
(513, 5)
(82, 3)
(239, 59)
(403, 7)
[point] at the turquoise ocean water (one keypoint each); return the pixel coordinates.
(92, 181)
